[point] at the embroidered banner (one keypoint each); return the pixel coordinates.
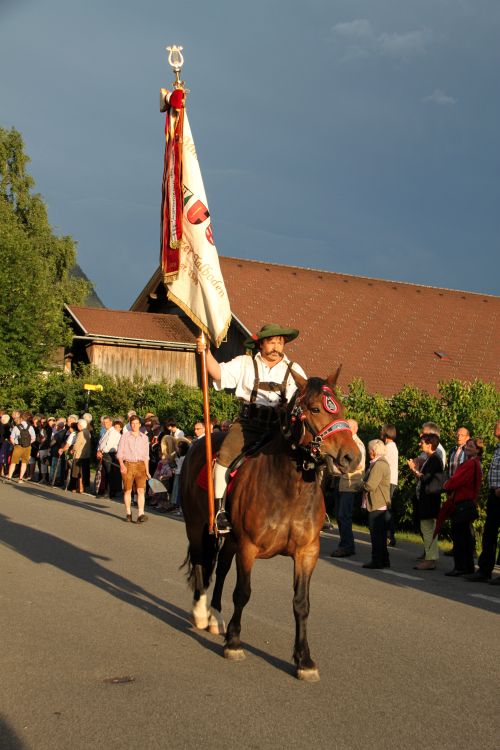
(196, 284)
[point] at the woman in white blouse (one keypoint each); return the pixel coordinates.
(388, 436)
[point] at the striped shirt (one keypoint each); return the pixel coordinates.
(494, 472)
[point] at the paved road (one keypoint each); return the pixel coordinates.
(407, 659)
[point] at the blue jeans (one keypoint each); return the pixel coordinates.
(343, 513)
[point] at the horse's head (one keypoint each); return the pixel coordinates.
(324, 431)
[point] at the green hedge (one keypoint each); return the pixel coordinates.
(473, 405)
(58, 394)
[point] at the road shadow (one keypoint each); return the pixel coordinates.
(403, 558)
(8, 738)
(43, 548)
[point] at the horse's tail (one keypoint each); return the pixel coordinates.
(200, 561)
(203, 547)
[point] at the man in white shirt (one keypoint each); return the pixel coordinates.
(349, 485)
(106, 452)
(262, 383)
(173, 429)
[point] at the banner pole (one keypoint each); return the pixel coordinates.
(208, 437)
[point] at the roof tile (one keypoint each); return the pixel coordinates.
(132, 325)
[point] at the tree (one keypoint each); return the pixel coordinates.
(35, 268)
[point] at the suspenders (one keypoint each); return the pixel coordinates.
(270, 386)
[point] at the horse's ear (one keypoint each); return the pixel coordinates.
(300, 382)
(332, 379)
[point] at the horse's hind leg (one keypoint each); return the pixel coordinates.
(244, 561)
(216, 623)
(304, 564)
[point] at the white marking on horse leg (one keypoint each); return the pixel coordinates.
(308, 675)
(200, 613)
(216, 624)
(234, 654)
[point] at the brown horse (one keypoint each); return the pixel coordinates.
(276, 507)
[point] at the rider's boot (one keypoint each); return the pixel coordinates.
(220, 484)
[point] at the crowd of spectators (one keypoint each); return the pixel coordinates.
(126, 452)
(146, 455)
(457, 476)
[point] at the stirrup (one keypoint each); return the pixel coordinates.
(222, 523)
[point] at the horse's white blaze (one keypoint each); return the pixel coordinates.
(216, 624)
(200, 612)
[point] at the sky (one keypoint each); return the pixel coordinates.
(356, 136)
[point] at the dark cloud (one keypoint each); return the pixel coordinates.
(346, 136)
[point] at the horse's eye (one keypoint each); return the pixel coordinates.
(315, 410)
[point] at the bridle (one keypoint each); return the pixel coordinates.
(298, 417)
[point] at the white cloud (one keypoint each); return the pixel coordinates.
(361, 27)
(439, 97)
(363, 40)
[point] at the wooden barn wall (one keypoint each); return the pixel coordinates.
(156, 364)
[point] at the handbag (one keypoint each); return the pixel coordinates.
(465, 512)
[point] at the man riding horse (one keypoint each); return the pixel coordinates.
(262, 383)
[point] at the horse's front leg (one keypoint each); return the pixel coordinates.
(244, 561)
(216, 624)
(200, 613)
(304, 564)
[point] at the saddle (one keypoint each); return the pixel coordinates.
(202, 478)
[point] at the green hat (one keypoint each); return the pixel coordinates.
(269, 330)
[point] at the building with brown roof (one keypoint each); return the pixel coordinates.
(124, 344)
(388, 333)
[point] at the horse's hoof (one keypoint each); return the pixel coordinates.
(200, 623)
(215, 626)
(234, 654)
(308, 675)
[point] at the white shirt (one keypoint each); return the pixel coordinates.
(178, 434)
(391, 456)
(239, 373)
(109, 441)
